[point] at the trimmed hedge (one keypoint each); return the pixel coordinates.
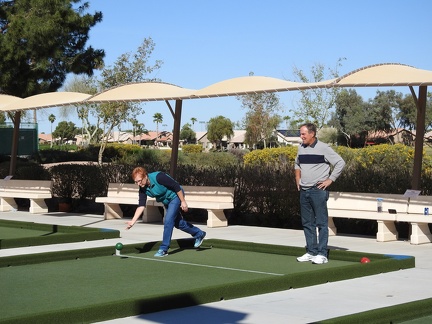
(265, 191)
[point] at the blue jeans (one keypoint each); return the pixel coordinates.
(314, 214)
(173, 218)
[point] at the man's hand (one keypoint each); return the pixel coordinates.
(323, 185)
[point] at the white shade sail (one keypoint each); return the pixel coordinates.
(379, 75)
(144, 91)
(46, 100)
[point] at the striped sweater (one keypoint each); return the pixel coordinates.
(316, 162)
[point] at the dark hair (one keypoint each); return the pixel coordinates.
(310, 127)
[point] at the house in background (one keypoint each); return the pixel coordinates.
(164, 139)
(396, 136)
(284, 137)
(45, 138)
(161, 139)
(237, 141)
(288, 136)
(202, 139)
(120, 137)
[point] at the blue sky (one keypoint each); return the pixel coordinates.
(202, 42)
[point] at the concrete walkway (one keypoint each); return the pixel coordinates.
(304, 305)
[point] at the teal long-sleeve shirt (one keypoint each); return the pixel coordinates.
(162, 187)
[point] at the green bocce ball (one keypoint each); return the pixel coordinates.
(119, 246)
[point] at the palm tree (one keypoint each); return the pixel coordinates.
(193, 120)
(158, 119)
(52, 119)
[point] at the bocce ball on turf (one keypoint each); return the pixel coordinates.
(364, 260)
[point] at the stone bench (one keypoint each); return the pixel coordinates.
(358, 205)
(127, 194)
(34, 190)
(214, 199)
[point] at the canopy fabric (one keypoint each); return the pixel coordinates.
(46, 100)
(385, 75)
(6, 100)
(379, 75)
(144, 91)
(250, 84)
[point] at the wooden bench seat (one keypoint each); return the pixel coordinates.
(214, 199)
(364, 206)
(35, 190)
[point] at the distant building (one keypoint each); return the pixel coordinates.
(396, 136)
(284, 137)
(288, 136)
(120, 137)
(45, 138)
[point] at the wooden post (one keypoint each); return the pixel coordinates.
(419, 140)
(15, 140)
(176, 138)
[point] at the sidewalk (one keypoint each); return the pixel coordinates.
(304, 305)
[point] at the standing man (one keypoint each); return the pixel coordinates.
(166, 190)
(313, 176)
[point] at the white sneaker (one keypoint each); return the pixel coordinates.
(305, 258)
(319, 259)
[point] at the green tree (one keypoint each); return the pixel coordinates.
(158, 119)
(128, 68)
(187, 134)
(193, 120)
(217, 128)
(84, 84)
(140, 129)
(352, 118)
(137, 128)
(383, 109)
(316, 104)
(41, 42)
(66, 131)
(408, 112)
(51, 119)
(261, 116)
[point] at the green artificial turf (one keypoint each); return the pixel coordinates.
(15, 234)
(91, 285)
(414, 312)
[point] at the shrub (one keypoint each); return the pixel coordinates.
(214, 159)
(77, 181)
(381, 168)
(271, 156)
(25, 171)
(265, 190)
(121, 150)
(192, 148)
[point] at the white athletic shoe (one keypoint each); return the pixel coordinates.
(305, 257)
(319, 259)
